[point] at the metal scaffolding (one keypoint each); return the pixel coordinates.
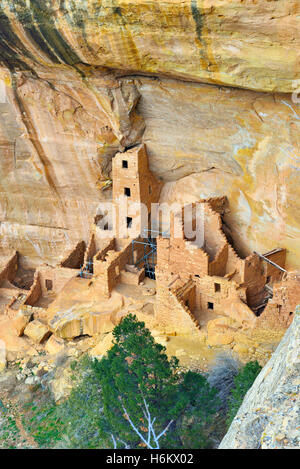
(148, 259)
(87, 270)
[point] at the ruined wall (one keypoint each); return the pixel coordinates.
(253, 276)
(177, 256)
(224, 283)
(172, 314)
(218, 265)
(91, 249)
(109, 245)
(217, 204)
(133, 182)
(221, 296)
(272, 273)
(132, 277)
(279, 311)
(9, 269)
(75, 259)
(35, 292)
(108, 268)
(53, 279)
(131, 170)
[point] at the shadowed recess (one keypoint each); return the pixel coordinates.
(11, 48)
(25, 18)
(43, 16)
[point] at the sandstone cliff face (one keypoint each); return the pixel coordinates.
(251, 44)
(269, 415)
(57, 138)
(76, 93)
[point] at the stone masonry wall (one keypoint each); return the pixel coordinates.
(75, 259)
(8, 272)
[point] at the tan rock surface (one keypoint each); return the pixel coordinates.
(208, 141)
(2, 355)
(220, 332)
(57, 140)
(16, 347)
(252, 44)
(269, 415)
(37, 331)
(21, 320)
(104, 344)
(54, 345)
(222, 142)
(81, 310)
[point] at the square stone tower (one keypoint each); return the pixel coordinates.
(133, 179)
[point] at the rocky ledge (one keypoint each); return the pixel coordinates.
(269, 415)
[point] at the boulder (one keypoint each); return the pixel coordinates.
(54, 345)
(37, 331)
(220, 331)
(104, 344)
(242, 349)
(21, 321)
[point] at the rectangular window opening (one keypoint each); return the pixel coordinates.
(129, 222)
(49, 285)
(125, 164)
(127, 191)
(210, 305)
(217, 287)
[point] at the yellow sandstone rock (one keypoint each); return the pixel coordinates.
(104, 344)
(2, 355)
(37, 331)
(251, 44)
(54, 345)
(220, 331)
(241, 349)
(21, 320)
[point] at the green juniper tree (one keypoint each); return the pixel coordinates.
(146, 401)
(134, 397)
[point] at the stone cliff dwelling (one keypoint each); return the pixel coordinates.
(194, 284)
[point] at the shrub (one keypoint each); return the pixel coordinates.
(242, 383)
(141, 385)
(134, 397)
